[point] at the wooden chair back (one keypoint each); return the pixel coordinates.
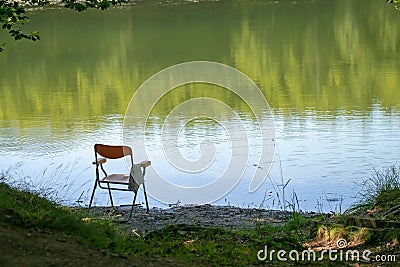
(112, 152)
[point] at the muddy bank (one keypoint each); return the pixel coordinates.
(227, 217)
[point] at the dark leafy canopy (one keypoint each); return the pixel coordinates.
(12, 17)
(83, 5)
(396, 3)
(13, 14)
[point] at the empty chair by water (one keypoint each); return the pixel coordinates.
(119, 182)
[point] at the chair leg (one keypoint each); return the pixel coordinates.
(145, 196)
(91, 198)
(109, 192)
(133, 207)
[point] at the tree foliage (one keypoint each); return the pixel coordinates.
(396, 3)
(83, 5)
(13, 14)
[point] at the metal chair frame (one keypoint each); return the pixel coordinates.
(116, 152)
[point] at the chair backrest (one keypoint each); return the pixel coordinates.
(112, 152)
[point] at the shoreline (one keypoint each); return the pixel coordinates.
(184, 235)
(206, 215)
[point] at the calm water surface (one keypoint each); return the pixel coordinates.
(329, 70)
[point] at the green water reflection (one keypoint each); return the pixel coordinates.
(324, 56)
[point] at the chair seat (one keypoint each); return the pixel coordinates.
(116, 179)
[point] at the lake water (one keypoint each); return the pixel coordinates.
(328, 69)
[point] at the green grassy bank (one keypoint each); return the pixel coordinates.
(32, 215)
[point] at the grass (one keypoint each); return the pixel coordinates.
(213, 246)
(210, 246)
(380, 191)
(184, 244)
(29, 210)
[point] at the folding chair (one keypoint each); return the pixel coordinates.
(119, 182)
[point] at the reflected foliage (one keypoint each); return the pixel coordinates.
(341, 60)
(302, 57)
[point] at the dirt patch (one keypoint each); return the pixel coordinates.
(226, 217)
